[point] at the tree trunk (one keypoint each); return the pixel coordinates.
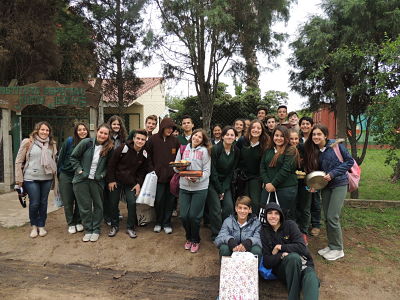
(118, 56)
(396, 174)
(341, 103)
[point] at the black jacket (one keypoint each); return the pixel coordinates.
(288, 235)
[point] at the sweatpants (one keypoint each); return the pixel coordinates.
(71, 209)
(89, 195)
(164, 205)
(114, 198)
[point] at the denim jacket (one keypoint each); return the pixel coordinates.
(330, 163)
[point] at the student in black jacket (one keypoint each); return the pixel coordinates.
(286, 254)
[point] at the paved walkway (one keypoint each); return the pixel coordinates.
(13, 214)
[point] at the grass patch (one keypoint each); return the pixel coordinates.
(375, 178)
(380, 219)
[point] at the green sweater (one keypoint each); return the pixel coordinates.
(283, 174)
(182, 140)
(222, 167)
(64, 163)
(250, 159)
(81, 159)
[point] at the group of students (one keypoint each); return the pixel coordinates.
(260, 163)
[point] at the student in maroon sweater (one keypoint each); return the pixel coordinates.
(125, 174)
(162, 148)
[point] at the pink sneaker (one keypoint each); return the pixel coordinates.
(195, 247)
(188, 245)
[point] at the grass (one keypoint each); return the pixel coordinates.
(385, 220)
(375, 178)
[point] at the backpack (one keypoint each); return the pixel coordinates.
(353, 174)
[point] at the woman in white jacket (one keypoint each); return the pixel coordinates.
(193, 190)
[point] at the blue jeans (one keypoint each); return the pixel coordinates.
(38, 191)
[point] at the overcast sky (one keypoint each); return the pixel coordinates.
(276, 79)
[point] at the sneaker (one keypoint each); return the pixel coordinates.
(195, 247)
(113, 231)
(174, 213)
(132, 233)
(333, 254)
(86, 237)
(157, 228)
(168, 230)
(107, 222)
(42, 231)
(94, 237)
(323, 251)
(34, 232)
(188, 245)
(120, 217)
(315, 231)
(79, 227)
(71, 229)
(305, 239)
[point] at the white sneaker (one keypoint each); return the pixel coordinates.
(157, 228)
(42, 231)
(168, 230)
(86, 237)
(334, 254)
(323, 251)
(79, 227)
(34, 232)
(94, 237)
(71, 229)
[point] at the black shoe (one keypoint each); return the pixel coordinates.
(132, 234)
(113, 231)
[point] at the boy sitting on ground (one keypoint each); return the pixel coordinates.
(241, 232)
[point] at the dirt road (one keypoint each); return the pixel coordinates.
(155, 266)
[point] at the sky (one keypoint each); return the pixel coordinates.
(275, 79)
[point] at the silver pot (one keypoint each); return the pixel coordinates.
(316, 180)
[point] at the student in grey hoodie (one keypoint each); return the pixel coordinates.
(240, 233)
(193, 190)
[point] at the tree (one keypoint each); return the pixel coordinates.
(195, 44)
(386, 110)
(77, 47)
(273, 99)
(119, 34)
(28, 48)
(337, 58)
(253, 22)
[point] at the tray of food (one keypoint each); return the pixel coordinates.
(300, 174)
(179, 163)
(191, 173)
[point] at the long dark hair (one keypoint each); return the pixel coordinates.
(206, 141)
(122, 130)
(107, 145)
(286, 148)
(76, 137)
(264, 139)
(311, 158)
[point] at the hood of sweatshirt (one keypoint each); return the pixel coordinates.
(274, 206)
(165, 123)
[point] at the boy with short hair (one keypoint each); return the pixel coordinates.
(270, 124)
(240, 233)
(187, 127)
(282, 115)
(150, 125)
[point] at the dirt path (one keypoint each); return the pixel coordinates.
(155, 266)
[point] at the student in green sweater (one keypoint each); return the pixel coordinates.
(66, 174)
(89, 160)
(224, 160)
(187, 127)
(278, 167)
(252, 147)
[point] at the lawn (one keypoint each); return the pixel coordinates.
(375, 178)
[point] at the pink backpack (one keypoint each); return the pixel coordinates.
(353, 174)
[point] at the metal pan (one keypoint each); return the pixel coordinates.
(316, 180)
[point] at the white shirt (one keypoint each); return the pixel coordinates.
(95, 161)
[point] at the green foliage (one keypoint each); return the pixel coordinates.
(339, 54)
(74, 37)
(119, 33)
(28, 48)
(227, 108)
(386, 110)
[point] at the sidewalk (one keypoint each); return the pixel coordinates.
(13, 214)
